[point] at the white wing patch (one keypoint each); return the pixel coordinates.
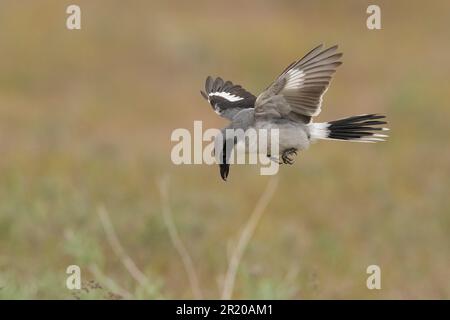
(226, 95)
(295, 80)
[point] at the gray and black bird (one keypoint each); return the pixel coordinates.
(289, 104)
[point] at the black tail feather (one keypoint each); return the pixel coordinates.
(357, 128)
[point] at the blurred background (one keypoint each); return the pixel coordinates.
(85, 124)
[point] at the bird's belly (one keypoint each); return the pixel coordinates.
(291, 135)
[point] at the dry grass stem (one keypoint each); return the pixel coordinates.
(246, 235)
(109, 283)
(176, 240)
(118, 249)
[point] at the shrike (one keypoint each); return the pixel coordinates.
(289, 104)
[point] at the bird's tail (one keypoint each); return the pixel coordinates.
(362, 128)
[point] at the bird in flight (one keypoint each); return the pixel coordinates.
(289, 104)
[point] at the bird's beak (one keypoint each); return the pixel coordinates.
(224, 170)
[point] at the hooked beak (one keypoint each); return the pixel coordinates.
(224, 170)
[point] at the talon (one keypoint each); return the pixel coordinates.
(286, 156)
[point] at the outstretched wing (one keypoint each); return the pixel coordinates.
(226, 98)
(298, 91)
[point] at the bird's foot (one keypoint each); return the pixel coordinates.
(288, 156)
(274, 159)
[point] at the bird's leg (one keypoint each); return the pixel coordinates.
(288, 155)
(275, 159)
